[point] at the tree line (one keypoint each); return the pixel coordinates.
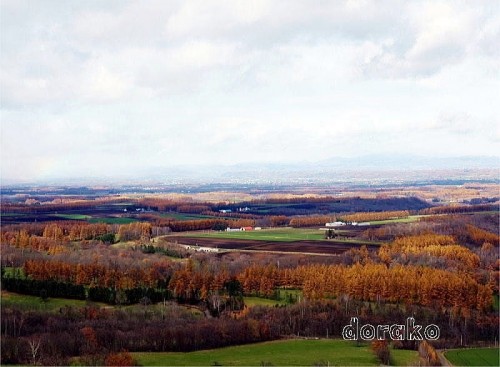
(370, 281)
(374, 216)
(95, 333)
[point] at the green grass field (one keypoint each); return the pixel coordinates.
(158, 309)
(296, 352)
(33, 303)
(14, 272)
(474, 357)
(285, 293)
(281, 235)
(402, 357)
(26, 302)
(285, 296)
(181, 216)
(496, 302)
(259, 301)
(410, 219)
(112, 220)
(278, 353)
(277, 235)
(72, 216)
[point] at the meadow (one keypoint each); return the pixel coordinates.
(53, 305)
(283, 297)
(410, 219)
(474, 357)
(72, 216)
(94, 219)
(296, 352)
(182, 216)
(28, 303)
(112, 220)
(259, 301)
(279, 235)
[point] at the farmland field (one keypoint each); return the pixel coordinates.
(72, 216)
(302, 247)
(281, 235)
(277, 353)
(170, 283)
(112, 220)
(181, 216)
(297, 240)
(474, 357)
(410, 219)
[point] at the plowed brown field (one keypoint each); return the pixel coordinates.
(317, 247)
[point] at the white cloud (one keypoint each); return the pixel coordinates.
(283, 80)
(99, 84)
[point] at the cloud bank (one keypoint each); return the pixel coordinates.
(106, 88)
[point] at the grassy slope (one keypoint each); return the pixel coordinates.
(474, 357)
(401, 357)
(26, 302)
(279, 353)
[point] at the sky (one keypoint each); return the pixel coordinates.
(106, 88)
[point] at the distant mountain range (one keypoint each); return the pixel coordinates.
(378, 168)
(368, 168)
(412, 162)
(361, 163)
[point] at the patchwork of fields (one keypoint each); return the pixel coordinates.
(292, 240)
(148, 284)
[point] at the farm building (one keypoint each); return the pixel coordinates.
(335, 224)
(229, 229)
(200, 248)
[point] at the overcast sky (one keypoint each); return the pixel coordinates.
(93, 88)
